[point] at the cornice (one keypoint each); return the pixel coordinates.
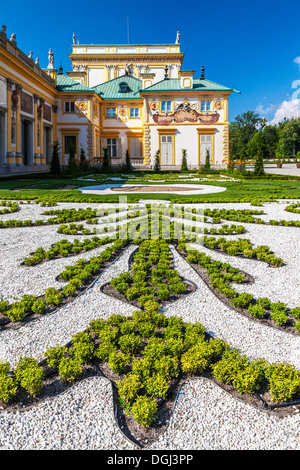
(107, 58)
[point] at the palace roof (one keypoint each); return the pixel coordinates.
(65, 83)
(199, 85)
(124, 87)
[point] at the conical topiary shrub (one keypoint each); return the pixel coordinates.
(55, 168)
(184, 166)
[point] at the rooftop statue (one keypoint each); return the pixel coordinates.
(50, 59)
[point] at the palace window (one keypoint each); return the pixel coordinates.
(13, 134)
(70, 141)
(134, 112)
(135, 147)
(205, 148)
(69, 106)
(111, 112)
(166, 106)
(206, 105)
(112, 147)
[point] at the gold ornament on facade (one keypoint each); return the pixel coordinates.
(81, 105)
(122, 112)
(218, 104)
(154, 106)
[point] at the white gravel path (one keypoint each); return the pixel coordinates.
(205, 416)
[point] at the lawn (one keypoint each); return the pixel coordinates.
(64, 188)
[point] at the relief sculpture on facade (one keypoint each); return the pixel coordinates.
(184, 113)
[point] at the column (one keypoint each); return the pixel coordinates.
(35, 133)
(19, 156)
(114, 71)
(54, 122)
(10, 158)
(41, 119)
(108, 72)
(2, 138)
(139, 68)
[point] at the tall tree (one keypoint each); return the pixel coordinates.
(207, 160)
(82, 159)
(289, 138)
(271, 137)
(106, 162)
(55, 168)
(157, 161)
(184, 165)
(259, 164)
(256, 145)
(241, 131)
(128, 166)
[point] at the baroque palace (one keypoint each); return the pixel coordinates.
(122, 97)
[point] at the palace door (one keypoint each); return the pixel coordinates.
(166, 150)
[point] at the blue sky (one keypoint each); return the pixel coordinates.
(251, 45)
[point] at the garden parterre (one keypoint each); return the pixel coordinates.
(253, 339)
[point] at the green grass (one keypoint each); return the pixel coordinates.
(242, 190)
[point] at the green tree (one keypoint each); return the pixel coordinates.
(106, 161)
(256, 145)
(241, 131)
(259, 164)
(127, 161)
(207, 160)
(82, 159)
(289, 138)
(157, 161)
(184, 166)
(55, 168)
(271, 136)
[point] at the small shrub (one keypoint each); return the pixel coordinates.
(70, 368)
(53, 297)
(104, 350)
(130, 343)
(29, 375)
(157, 386)
(242, 300)
(256, 311)
(129, 388)
(143, 410)
(54, 355)
(196, 359)
(117, 361)
(142, 368)
(38, 306)
(279, 317)
(16, 312)
(284, 381)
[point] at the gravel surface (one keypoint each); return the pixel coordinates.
(205, 416)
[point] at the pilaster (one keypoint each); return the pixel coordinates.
(36, 130)
(54, 122)
(9, 157)
(41, 119)
(19, 156)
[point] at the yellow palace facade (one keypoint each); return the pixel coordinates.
(133, 98)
